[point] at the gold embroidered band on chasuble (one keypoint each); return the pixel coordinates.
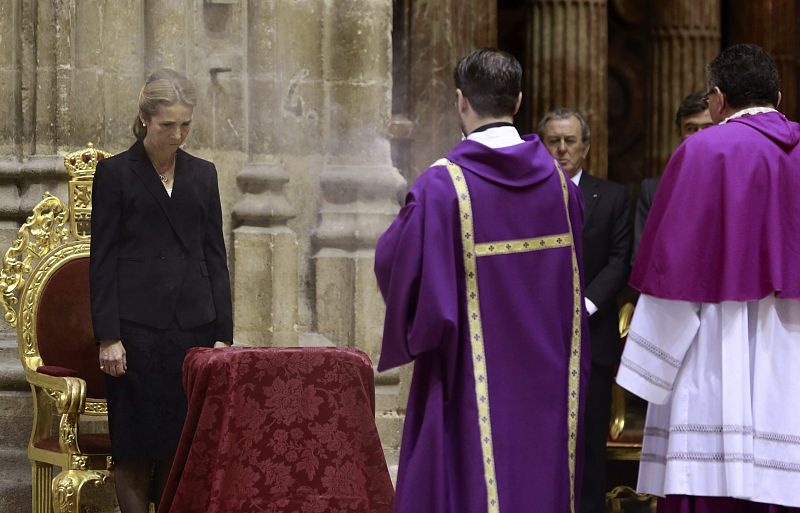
(470, 252)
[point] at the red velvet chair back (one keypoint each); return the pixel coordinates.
(64, 332)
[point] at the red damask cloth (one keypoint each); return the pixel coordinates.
(269, 430)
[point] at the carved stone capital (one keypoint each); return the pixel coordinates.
(263, 202)
(359, 201)
(34, 168)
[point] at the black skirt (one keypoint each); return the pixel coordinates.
(147, 405)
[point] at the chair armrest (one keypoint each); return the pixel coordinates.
(68, 392)
(625, 316)
(69, 395)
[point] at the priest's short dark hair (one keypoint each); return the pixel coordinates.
(747, 75)
(491, 80)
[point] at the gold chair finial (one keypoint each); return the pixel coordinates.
(82, 163)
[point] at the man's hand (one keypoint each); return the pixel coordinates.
(220, 343)
(112, 358)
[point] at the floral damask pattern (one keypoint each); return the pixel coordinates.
(279, 430)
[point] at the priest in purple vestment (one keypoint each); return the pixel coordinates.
(481, 274)
(714, 345)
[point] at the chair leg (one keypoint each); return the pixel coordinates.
(67, 487)
(41, 479)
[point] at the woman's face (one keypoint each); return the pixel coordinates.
(168, 128)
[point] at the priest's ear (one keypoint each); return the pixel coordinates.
(717, 103)
(519, 102)
(780, 97)
(462, 103)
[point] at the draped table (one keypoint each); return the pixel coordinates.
(269, 430)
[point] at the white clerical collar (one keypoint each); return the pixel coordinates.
(577, 178)
(497, 137)
(748, 112)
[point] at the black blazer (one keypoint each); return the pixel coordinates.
(646, 194)
(155, 258)
(606, 254)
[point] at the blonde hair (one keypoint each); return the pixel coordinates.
(163, 87)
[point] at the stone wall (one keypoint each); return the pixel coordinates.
(298, 86)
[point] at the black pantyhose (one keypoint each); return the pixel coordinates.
(140, 482)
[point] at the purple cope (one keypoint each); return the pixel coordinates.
(721, 228)
(528, 291)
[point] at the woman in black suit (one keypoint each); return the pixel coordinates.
(159, 283)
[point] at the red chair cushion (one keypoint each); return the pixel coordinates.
(64, 326)
(89, 444)
(59, 372)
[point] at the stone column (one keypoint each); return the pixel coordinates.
(123, 56)
(755, 22)
(52, 78)
(684, 36)
(66, 51)
(107, 74)
(360, 190)
(80, 85)
(568, 66)
(15, 134)
(166, 36)
(441, 33)
(67, 83)
(359, 185)
(11, 77)
(265, 251)
(39, 65)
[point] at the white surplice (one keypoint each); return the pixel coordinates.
(723, 382)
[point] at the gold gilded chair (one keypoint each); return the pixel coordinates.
(625, 435)
(44, 282)
(624, 499)
(627, 411)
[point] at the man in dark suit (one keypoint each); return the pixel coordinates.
(606, 253)
(691, 117)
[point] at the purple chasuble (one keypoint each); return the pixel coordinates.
(724, 223)
(492, 345)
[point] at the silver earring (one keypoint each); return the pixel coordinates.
(143, 124)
